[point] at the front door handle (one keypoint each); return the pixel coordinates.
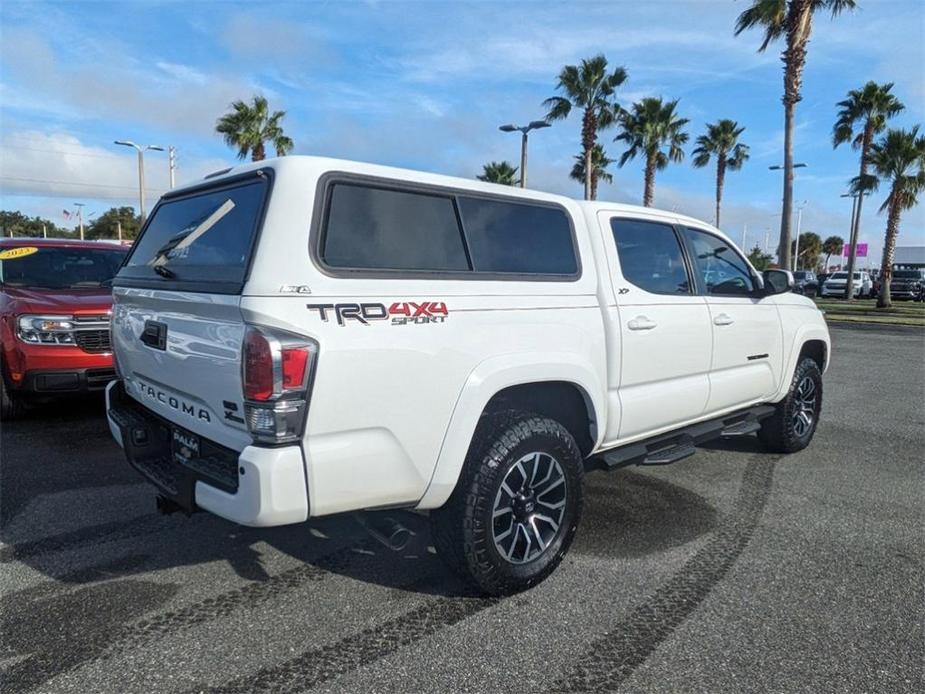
(641, 323)
(723, 319)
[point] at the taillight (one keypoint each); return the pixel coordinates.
(258, 366)
(276, 371)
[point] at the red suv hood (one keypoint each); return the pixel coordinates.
(60, 301)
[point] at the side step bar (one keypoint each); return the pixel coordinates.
(681, 443)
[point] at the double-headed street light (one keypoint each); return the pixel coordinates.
(533, 125)
(780, 248)
(141, 149)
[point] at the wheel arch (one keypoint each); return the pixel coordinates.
(554, 386)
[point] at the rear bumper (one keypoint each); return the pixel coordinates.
(257, 487)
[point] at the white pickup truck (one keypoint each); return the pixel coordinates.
(305, 336)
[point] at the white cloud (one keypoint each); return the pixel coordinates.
(56, 164)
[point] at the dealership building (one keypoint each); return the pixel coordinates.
(909, 258)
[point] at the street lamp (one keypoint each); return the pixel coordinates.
(141, 149)
(780, 249)
(852, 241)
(533, 125)
(796, 255)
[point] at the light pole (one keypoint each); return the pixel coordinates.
(853, 240)
(141, 149)
(781, 250)
(533, 125)
(172, 164)
(80, 218)
(796, 255)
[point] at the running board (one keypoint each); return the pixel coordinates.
(681, 443)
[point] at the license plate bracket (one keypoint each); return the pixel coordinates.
(184, 446)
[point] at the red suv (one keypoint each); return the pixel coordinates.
(55, 305)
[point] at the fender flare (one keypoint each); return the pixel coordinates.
(804, 334)
(487, 379)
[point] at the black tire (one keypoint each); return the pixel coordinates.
(782, 432)
(465, 529)
(11, 406)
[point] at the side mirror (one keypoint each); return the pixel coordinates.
(777, 281)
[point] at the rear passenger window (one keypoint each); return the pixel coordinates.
(376, 228)
(516, 237)
(724, 271)
(650, 256)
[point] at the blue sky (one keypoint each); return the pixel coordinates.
(425, 85)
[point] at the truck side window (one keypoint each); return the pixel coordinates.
(518, 237)
(379, 228)
(650, 256)
(723, 270)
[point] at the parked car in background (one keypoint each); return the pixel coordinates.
(908, 284)
(55, 306)
(835, 285)
(805, 283)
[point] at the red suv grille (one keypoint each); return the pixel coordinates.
(93, 341)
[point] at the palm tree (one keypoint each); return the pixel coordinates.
(599, 163)
(499, 172)
(810, 250)
(651, 125)
(899, 157)
(250, 127)
(590, 87)
(721, 141)
(869, 108)
(791, 19)
(832, 246)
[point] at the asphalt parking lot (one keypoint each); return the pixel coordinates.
(731, 571)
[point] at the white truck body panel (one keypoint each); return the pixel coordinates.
(394, 407)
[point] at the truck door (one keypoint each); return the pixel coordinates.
(661, 324)
(747, 340)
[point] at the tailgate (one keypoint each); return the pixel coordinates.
(180, 356)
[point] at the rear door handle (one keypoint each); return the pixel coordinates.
(641, 323)
(723, 319)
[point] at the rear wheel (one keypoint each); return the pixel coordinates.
(516, 508)
(793, 424)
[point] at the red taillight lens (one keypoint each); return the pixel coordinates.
(295, 362)
(258, 367)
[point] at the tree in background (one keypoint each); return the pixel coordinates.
(590, 87)
(722, 142)
(791, 19)
(15, 223)
(250, 127)
(106, 225)
(501, 172)
(869, 108)
(833, 245)
(899, 159)
(599, 163)
(650, 126)
(810, 250)
(760, 259)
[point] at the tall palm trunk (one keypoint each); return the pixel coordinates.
(649, 193)
(594, 180)
(720, 180)
(799, 24)
(259, 152)
(856, 224)
(889, 246)
(588, 138)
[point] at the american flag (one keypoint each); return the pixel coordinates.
(67, 215)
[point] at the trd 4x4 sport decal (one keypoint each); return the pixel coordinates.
(400, 313)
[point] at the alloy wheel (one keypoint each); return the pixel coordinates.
(529, 507)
